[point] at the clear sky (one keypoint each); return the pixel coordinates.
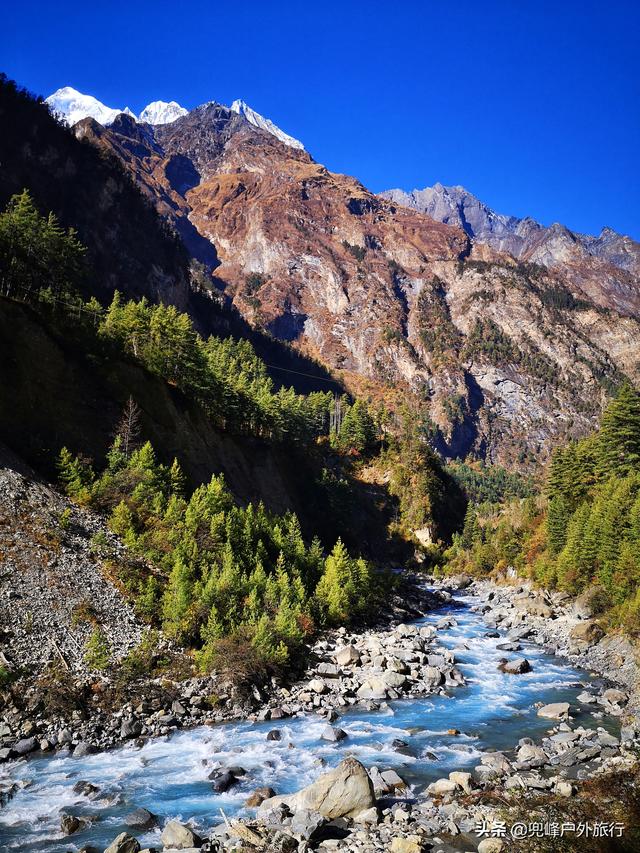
(534, 106)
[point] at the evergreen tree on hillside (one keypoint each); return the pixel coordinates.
(557, 519)
(471, 531)
(36, 252)
(619, 439)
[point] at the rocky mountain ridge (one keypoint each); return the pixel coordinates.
(500, 356)
(71, 106)
(605, 268)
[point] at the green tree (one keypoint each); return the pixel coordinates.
(36, 252)
(619, 438)
(97, 650)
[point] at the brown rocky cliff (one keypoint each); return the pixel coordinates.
(503, 357)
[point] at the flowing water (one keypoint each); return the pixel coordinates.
(168, 776)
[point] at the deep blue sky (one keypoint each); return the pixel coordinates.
(533, 106)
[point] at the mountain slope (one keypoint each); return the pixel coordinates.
(129, 247)
(257, 120)
(605, 269)
(500, 356)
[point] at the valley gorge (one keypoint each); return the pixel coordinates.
(319, 508)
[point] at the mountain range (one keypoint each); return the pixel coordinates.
(605, 267)
(71, 106)
(501, 335)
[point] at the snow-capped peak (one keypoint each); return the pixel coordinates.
(257, 120)
(161, 112)
(71, 106)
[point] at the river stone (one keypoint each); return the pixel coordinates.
(24, 746)
(586, 698)
(379, 785)
(130, 729)
(140, 819)
(124, 843)
(347, 656)
(585, 634)
(317, 685)
(516, 667)
(535, 605)
(305, 823)
(274, 734)
(491, 845)
(555, 711)
(344, 791)
(368, 816)
(407, 630)
(179, 836)
(463, 780)
(441, 787)
(396, 665)
(328, 670)
(223, 782)
(87, 789)
(333, 734)
(259, 796)
(392, 780)
(533, 755)
(84, 748)
(69, 824)
(612, 695)
(408, 844)
(372, 688)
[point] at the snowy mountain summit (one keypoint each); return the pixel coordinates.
(72, 106)
(161, 112)
(263, 123)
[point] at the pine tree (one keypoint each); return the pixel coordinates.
(177, 600)
(619, 440)
(97, 650)
(121, 522)
(557, 520)
(471, 532)
(75, 474)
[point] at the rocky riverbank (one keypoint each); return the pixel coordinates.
(370, 816)
(369, 811)
(55, 588)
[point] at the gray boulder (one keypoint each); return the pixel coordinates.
(140, 819)
(347, 656)
(333, 734)
(177, 836)
(24, 746)
(305, 824)
(516, 666)
(84, 748)
(124, 843)
(555, 711)
(130, 729)
(344, 791)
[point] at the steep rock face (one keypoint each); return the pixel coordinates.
(501, 356)
(605, 269)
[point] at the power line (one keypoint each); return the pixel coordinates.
(300, 373)
(101, 311)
